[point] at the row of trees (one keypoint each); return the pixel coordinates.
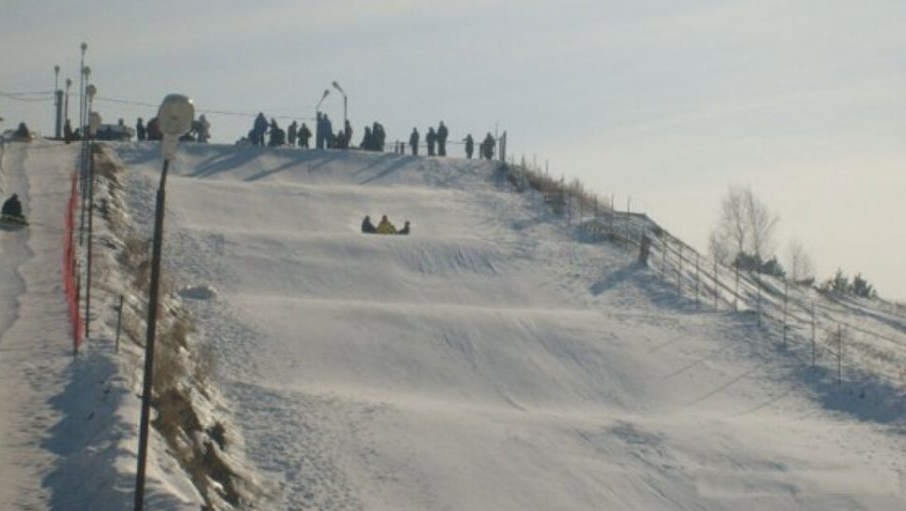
(744, 237)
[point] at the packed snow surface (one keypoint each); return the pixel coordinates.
(487, 361)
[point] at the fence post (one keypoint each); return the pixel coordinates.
(644, 248)
(628, 234)
(758, 292)
(813, 334)
(613, 212)
(664, 258)
(736, 292)
(697, 277)
(839, 354)
(119, 323)
(785, 309)
(716, 286)
(679, 273)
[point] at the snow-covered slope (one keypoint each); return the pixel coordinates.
(487, 361)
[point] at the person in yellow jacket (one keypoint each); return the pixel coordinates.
(385, 227)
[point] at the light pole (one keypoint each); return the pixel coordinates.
(89, 91)
(66, 100)
(323, 96)
(337, 86)
(82, 83)
(57, 102)
(94, 121)
(174, 118)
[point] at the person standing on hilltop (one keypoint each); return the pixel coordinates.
(304, 136)
(292, 132)
(442, 135)
(470, 145)
(430, 140)
(413, 141)
(140, 132)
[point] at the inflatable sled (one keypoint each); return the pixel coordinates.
(10, 222)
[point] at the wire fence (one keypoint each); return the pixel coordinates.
(823, 328)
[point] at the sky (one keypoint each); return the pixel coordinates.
(659, 105)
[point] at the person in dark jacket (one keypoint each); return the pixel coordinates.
(12, 207)
(367, 226)
(413, 141)
(67, 131)
(442, 135)
(487, 147)
(304, 135)
(259, 128)
(292, 133)
(430, 139)
(367, 141)
(22, 131)
(140, 132)
(378, 136)
(405, 229)
(347, 134)
(470, 145)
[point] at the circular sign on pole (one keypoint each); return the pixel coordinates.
(175, 115)
(174, 118)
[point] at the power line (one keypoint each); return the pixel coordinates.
(204, 111)
(18, 96)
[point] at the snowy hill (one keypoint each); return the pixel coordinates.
(489, 360)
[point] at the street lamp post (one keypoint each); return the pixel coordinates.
(323, 96)
(174, 118)
(57, 102)
(94, 121)
(82, 83)
(89, 91)
(66, 100)
(337, 86)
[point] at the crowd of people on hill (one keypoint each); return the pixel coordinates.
(266, 133)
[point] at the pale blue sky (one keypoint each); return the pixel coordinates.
(666, 101)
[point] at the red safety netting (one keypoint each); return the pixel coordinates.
(71, 266)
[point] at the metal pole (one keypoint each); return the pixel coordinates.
(814, 347)
(839, 354)
(785, 308)
(716, 286)
(697, 277)
(119, 324)
(82, 89)
(58, 104)
(66, 100)
(148, 386)
(85, 136)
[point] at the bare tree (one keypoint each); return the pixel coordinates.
(761, 224)
(799, 264)
(745, 226)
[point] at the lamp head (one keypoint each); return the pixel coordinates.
(175, 115)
